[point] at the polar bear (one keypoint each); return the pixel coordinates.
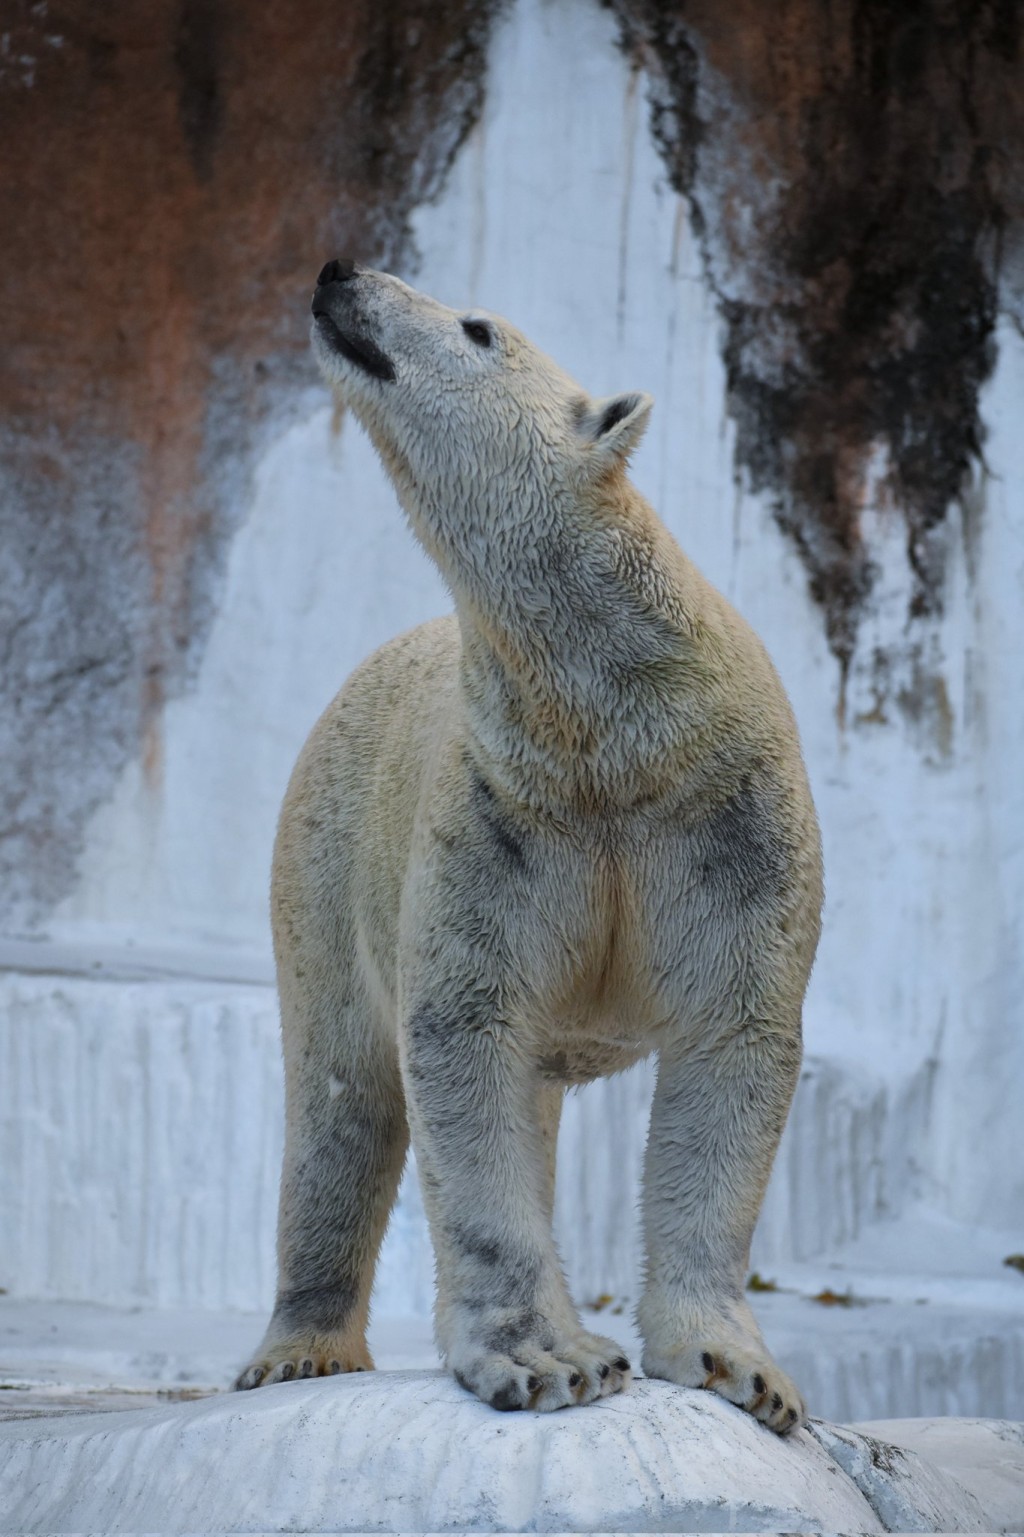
(526, 846)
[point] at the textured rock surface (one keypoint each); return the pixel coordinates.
(412, 1452)
(985, 1456)
(906, 1493)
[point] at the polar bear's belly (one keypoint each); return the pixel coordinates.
(585, 1040)
(581, 1060)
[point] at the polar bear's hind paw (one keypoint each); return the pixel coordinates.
(290, 1360)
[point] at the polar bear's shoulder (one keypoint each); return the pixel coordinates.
(425, 657)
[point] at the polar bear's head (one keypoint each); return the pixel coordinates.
(458, 402)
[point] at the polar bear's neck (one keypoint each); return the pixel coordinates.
(580, 637)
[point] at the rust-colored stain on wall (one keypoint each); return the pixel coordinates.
(173, 173)
(855, 169)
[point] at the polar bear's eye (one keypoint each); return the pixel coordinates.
(477, 332)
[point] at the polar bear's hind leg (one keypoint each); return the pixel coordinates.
(346, 1134)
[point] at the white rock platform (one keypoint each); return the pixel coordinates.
(410, 1451)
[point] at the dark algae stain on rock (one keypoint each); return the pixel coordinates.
(197, 56)
(853, 172)
(172, 173)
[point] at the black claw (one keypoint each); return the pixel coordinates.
(760, 1386)
(287, 1371)
(333, 1368)
(793, 1416)
(776, 1401)
(533, 1384)
(708, 1361)
(506, 1398)
(621, 1364)
(604, 1370)
(575, 1379)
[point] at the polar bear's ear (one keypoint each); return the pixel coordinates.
(613, 427)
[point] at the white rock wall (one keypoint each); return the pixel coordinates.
(556, 213)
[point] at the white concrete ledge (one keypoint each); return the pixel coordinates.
(410, 1451)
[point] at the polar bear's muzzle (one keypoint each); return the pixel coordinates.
(339, 323)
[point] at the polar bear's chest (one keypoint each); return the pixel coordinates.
(601, 1012)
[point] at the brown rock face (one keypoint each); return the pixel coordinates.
(855, 172)
(173, 174)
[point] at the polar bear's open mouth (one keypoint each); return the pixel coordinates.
(357, 349)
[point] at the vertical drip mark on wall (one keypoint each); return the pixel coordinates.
(737, 535)
(476, 150)
(625, 209)
(678, 230)
(671, 331)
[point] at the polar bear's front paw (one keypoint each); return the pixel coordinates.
(746, 1375)
(314, 1355)
(526, 1363)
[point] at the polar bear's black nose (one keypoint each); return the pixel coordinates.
(336, 272)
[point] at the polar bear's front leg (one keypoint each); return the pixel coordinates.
(505, 1322)
(719, 1110)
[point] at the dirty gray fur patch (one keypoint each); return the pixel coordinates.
(322, 1308)
(502, 1278)
(429, 1032)
(433, 1028)
(742, 851)
(555, 1066)
(330, 1220)
(524, 1325)
(506, 840)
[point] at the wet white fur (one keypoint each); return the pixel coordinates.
(525, 846)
